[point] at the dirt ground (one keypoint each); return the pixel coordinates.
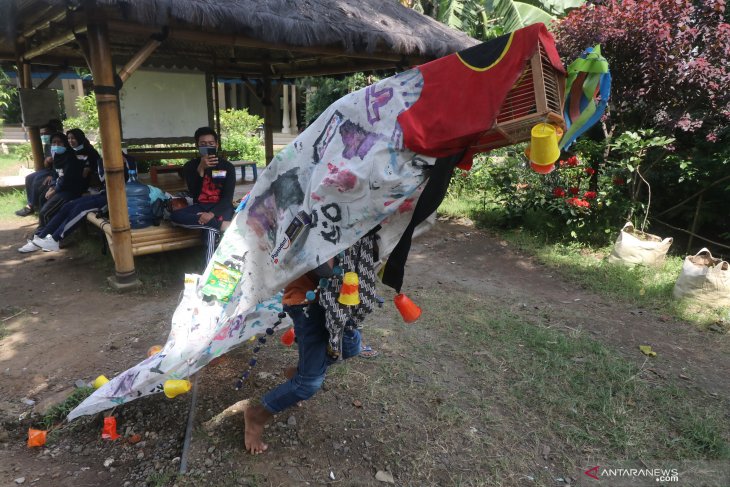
(61, 324)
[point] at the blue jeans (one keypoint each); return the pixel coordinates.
(70, 215)
(312, 339)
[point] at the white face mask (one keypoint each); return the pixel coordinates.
(79, 147)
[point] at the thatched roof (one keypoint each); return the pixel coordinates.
(236, 33)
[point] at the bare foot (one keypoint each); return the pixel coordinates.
(255, 418)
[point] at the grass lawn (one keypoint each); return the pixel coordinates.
(587, 267)
(10, 164)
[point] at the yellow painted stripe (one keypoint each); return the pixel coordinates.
(506, 48)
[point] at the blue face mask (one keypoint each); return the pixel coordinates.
(45, 139)
(58, 149)
(79, 147)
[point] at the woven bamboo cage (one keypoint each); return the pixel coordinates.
(538, 96)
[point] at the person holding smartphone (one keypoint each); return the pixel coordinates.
(211, 181)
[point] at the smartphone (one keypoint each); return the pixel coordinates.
(207, 151)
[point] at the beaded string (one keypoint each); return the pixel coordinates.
(254, 360)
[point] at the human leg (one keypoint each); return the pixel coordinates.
(51, 207)
(312, 341)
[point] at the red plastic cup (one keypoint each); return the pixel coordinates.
(287, 338)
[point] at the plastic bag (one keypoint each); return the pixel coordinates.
(634, 247)
(705, 279)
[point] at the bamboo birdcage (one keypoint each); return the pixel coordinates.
(537, 96)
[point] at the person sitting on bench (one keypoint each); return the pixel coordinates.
(48, 237)
(37, 182)
(211, 181)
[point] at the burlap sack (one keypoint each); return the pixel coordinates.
(634, 247)
(704, 279)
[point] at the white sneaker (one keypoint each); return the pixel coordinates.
(37, 240)
(48, 244)
(28, 247)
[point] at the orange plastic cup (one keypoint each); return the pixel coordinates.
(36, 437)
(409, 311)
(154, 350)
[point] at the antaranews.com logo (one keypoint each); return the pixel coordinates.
(658, 474)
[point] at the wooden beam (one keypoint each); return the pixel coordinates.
(220, 39)
(142, 55)
(50, 45)
(51, 78)
(107, 103)
(48, 17)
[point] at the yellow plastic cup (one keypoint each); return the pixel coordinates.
(174, 387)
(544, 144)
(350, 291)
(99, 381)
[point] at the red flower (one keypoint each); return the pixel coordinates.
(590, 195)
(573, 190)
(577, 202)
(573, 161)
(590, 171)
(619, 181)
(559, 192)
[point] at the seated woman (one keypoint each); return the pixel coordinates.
(69, 184)
(37, 182)
(89, 158)
(49, 236)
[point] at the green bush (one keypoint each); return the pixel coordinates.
(88, 119)
(239, 132)
(23, 152)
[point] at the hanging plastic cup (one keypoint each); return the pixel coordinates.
(409, 311)
(544, 144)
(287, 338)
(349, 292)
(99, 381)
(36, 437)
(174, 387)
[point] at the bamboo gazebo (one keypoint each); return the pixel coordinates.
(264, 40)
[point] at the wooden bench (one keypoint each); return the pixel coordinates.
(153, 239)
(243, 165)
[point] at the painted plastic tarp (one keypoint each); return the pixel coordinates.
(349, 171)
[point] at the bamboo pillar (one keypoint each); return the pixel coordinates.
(34, 133)
(268, 122)
(107, 104)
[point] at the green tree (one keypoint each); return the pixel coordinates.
(485, 19)
(88, 119)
